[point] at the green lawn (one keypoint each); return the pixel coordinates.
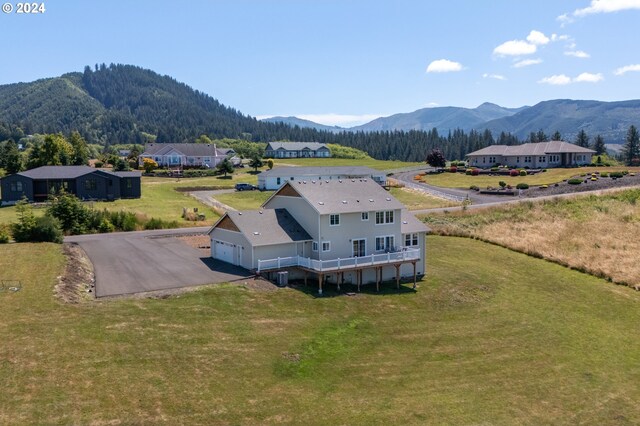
(244, 200)
(417, 200)
(490, 337)
(459, 180)
(367, 162)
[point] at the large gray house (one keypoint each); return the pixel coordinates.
(185, 154)
(532, 155)
(297, 150)
(338, 230)
(275, 178)
(84, 182)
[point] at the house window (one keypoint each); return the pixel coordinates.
(365, 216)
(16, 186)
(410, 240)
(334, 220)
(129, 184)
(384, 217)
(385, 243)
(277, 181)
(326, 246)
(314, 246)
(90, 185)
(542, 159)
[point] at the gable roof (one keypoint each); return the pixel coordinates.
(342, 196)
(266, 227)
(186, 149)
(321, 171)
(296, 146)
(57, 172)
(539, 148)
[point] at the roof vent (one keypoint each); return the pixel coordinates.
(256, 233)
(404, 222)
(340, 180)
(304, 181)
(353, 180)
(321, 203)
(344, 201)
(388, 199)
(313, 181)
(365, 180)
(239, 213)
(260, 212)
(326, 181)
(371, 200)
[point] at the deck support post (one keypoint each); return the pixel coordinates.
(338, 280)
(380, 279)
(320, 277)
(358, 279)
(397, 276)
(414, 275)
(305, 277)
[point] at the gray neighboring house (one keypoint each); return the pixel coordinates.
(341, 231)
(185, 154)
(84, 182)
(533, 155)
(297, 150)
(275, 178)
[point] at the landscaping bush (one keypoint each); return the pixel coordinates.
(5, 235)
(523, 172)
(502, 184)
(514, 173)
(154, 223)
(522, 186)
(98, 164)
(468, 172)
(47, 230)
(494, 169)
(574, 181)
(453, 169)
(475, 172)
(199, 173)
(474, 188)
(544, 186)
(616, 175)
(106, 226)
(604, 174)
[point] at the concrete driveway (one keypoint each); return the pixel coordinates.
(135, 262)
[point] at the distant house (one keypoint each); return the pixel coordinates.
(339, 231)
(532, 155)
(82, 181)
(296, 150)
(185, 154)
(275, 178)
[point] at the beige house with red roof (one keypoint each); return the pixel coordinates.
(539, 155)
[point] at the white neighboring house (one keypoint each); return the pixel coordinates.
(533, 155)
(342, 231)
(185, 154)
(275, 178)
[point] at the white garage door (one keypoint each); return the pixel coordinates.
(224, 251)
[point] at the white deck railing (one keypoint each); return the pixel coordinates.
(406, 254)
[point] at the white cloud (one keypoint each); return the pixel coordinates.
(556, 37)
(444, 65)
(515, 48)
(577, 54)
(556, 80)
(526, 63)
(494, 76)
(599, 6)
(537, 38)
(562, 80)
(432, 105)
(627, 68)
(586, 77)
(607, 6)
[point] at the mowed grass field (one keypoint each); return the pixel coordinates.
(490, 337)
(418, 200)
(366, 162)
(551, 176)
(244, 200)
(596, 233)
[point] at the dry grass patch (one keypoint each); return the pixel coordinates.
(599, 233)
(418, 200)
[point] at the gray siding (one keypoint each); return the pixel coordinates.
(241, 244)
(9, 196)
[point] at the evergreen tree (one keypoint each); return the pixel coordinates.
(12, 161)
(225, 167)
(582, 139)
(541, 136)
(80, 155)
(256, 162)
(631, 151)
(598, 145)
(556, 136)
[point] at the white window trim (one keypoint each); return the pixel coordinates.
(362, 216)
(359, 239)
(314, 246)
(411, 236)
(326, 242)
(384, 237)
(336, 215)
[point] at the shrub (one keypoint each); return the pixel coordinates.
(453, 169)
(47, 230)
(494, 169)
(502, 184)
(544, 170)
(474, 188)
(616, 175)
(475, 172)
(574, 181)
(604, 174)
(5, 235)
(106, 226)
(594, 178)
(523, 172)
(154, 223)
(149, 165)
(98, 164)
(544, 186)
(522, 186)
(514, 172)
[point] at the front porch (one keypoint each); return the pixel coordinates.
(339, 266)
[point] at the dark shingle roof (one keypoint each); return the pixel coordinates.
(57, 172)
(267, 227)
(296, 146)
(187, 149)
(128, 174)
(316, 172)
(539, 148)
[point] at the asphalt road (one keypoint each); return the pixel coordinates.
(136, 262)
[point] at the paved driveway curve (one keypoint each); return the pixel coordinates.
(135, 262)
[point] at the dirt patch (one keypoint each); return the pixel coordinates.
(77, 283)
(200, 242)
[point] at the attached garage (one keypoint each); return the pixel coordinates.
(223, 251)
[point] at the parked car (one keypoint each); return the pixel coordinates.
(245, 187)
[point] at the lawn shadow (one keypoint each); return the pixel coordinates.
(351, 290)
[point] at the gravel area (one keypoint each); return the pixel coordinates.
(589, 185)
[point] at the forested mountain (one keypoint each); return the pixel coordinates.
(609, 119)
(441, 118)
(295, 121)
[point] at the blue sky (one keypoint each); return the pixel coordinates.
(344, 62)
